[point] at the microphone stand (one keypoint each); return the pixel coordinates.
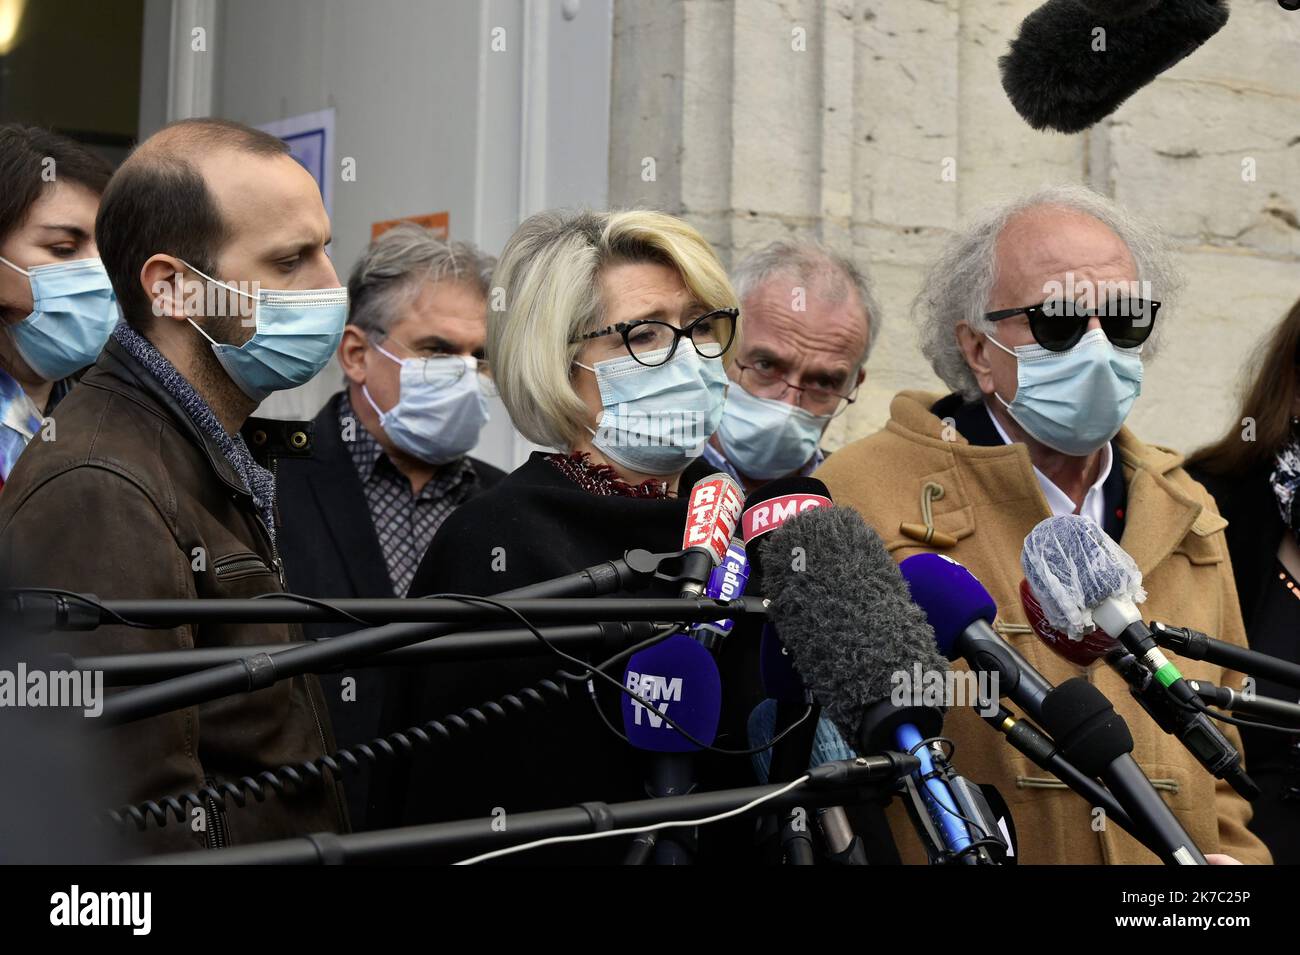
(828, 785)
(1199, 646)
(261, 670)
(608, 638)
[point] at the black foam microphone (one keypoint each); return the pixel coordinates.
(1074, 63)
(1096, 739)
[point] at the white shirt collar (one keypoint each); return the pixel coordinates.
(1094, 504)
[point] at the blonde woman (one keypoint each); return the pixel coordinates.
(609, 345)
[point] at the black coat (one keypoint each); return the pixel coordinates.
(1254, 533)
(330, 549)
(1254, 530)
(547, 526)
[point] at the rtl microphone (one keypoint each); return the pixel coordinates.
(712, 514)
(1074, 62)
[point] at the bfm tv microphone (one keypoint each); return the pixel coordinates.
(844, 611)
(713, 512)
(1074, 62)
(1201, 737)
(677, 677)
(961, 611)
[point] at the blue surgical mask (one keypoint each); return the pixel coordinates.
(657, 419)
(297, 332)
(767, 439)
(73, 313)
(1074, 401)
(440, 410)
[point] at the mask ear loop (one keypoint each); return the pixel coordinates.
(365, 391)
(989, 337)
(224, 285)
(16, 268)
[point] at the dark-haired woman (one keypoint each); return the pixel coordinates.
(1254, 474)
(56, 304)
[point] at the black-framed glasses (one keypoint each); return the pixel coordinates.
(820, 400)
(1058, 324)
(653, 343)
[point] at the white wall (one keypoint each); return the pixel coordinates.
(435, 118)
(837, 119)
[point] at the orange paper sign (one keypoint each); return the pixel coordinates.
(437, 222)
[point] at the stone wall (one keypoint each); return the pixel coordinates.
(756, 119)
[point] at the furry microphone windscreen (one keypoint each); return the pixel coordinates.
(1070, 67)
(1118, 9)
(844, 612)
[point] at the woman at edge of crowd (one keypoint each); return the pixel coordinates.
(56, 304)
(1253, 472)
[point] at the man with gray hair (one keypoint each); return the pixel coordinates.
(390, 459)
(1040, 317)
(809, 320)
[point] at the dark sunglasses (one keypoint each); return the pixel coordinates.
(1058, 324)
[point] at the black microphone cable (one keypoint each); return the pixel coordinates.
(401, 742)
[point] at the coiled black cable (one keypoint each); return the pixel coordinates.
(349, 759)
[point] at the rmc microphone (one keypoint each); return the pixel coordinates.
(765, 510)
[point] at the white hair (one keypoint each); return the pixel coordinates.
(959, 284)
(811, 263)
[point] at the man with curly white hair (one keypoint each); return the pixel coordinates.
(1041, 316)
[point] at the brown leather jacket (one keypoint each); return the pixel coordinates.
(131, 500)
